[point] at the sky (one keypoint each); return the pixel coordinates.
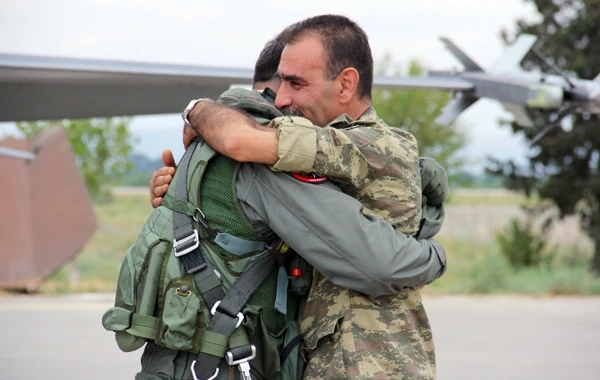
(232, 33)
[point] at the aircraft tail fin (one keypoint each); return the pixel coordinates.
(468, 62)
(520, 114)
(512, 56)
(460, 103)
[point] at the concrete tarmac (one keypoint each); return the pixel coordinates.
(492, 338)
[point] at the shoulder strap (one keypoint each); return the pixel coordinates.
(186, 245)
(226, 308)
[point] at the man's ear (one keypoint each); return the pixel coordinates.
(348, 79)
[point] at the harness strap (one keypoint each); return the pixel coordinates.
(236, 245)
(144, 326)
(186, 245)
(226, 308)
(226, 319)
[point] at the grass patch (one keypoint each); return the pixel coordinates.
(472, 268)
(481, 269)
(492, 199)
(120, 220)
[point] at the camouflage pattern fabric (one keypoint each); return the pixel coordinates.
(370, 161)
(349, 335)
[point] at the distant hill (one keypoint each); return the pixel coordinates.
(142, 163)
(143, 167)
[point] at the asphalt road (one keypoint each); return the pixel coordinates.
(492, 338)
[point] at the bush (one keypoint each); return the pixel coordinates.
(522, 247)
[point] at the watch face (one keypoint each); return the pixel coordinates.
(187, 110)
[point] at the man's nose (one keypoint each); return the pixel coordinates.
(283, 99)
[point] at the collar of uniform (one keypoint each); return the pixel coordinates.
(343, 120)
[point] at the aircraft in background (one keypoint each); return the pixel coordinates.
(48, 88)
(506, 82)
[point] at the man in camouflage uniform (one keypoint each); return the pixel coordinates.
(348, 335)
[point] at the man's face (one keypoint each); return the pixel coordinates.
(305, 89)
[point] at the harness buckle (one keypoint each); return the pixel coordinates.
(177, 243)
(242, 363)
(196, 377)
(240, 318)
(200, 218)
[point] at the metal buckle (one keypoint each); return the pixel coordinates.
(242, 364)
(196, 377)
(200, 219)
(230, 361)
(177, 243)
(240, 316)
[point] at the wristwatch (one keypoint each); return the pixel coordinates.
(188, 109)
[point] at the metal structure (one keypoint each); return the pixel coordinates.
(47, 88)
(506, 82)
(47, 214)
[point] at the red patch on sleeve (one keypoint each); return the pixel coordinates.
(309, 178)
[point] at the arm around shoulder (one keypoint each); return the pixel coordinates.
(233, 133)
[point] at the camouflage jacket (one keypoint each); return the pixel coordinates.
(370, 161)
(348, 334)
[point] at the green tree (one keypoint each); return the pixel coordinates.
(563, 165)
(415, 111)
(102, 148)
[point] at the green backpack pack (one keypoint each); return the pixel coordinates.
(199, 279)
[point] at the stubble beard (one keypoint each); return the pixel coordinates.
(291, 111)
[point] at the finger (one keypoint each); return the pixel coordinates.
(156, 202)
(160, 191)
(188, 137)
(163, 180)
(162, 173)
(168, 159)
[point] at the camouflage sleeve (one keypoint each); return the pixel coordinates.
(376, 164)
(297, 144)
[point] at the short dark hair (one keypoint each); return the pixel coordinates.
(268, 60)
(346, 45)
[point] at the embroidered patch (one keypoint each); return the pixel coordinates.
(309, 178)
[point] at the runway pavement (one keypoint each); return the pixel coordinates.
(492, 338)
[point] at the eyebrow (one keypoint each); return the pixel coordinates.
(289, 78)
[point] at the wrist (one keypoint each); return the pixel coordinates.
(193, 105)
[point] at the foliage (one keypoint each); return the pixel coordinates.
(521, 246)
(482, 269)
(102, 148)
(563, 165)
(415, 111)
(522, 243)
